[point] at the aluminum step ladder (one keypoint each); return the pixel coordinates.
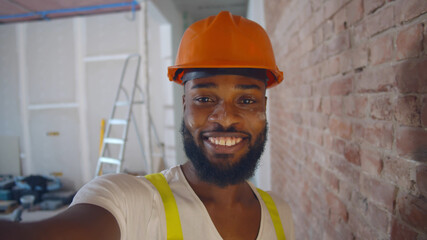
(122, 122)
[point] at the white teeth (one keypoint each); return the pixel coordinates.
(225, 141)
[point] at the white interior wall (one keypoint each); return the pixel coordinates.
(160, 90)
(263, 174)
(175, 19)
(58, 79)
(10, 120)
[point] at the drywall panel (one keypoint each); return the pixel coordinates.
(54, 136)
(174, 17)
(110, 34)
(50, 61)
(9, 155)
(9, 82)
(102, 79)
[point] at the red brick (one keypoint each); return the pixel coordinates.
(359, 132)
(318, 36)
(411, 142)
(293, 42)
(377, 191)
(372, 5)
(421, 179)
(407, 111)
(337, 105)
(338, 44)
(400, 231)
(380, 21)
(354, 11)
(339, 231)
(413, 211)
(302, 91)
(359, 57)
(409, 9)
(319, 121)
(307, 45)
(328, 140)
(378, 219)
(411, 76)
(307, 105)
(326, 105)
(331, 180)
(371, 161)
(345, 61)
(338, 146)
(360, 227)
(377, 80)
(340, 21)
(379, 134)
(355, 106)
(330, 7)
(340, 127)
(341, 86)
(316, 137)
(382, 106)
(346, 171)
(381, 49)
(331, 67)
(399, 171)
(327, 29)
(351, 153)
(358, 201)
(409, 42)
(337, 209)
(359, 34)
(424, 112)
(317, 55)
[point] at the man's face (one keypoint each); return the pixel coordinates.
(224, 127)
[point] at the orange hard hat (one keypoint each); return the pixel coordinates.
(225, 41)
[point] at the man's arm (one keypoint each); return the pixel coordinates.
(81, 221)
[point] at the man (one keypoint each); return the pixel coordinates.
(225, 63)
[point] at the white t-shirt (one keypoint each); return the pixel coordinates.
(137, 206)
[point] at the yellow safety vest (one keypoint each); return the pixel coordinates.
(173, 224)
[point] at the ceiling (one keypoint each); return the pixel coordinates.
(29, 10)
(199, 9)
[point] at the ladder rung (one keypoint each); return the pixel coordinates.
(114, 140)
(118, 121)
(126, 103)
(122, 103)
(110, 160)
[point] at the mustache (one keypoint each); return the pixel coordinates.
(221, 129)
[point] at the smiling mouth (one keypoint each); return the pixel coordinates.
(225, 141)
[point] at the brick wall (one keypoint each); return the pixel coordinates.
(349, 126)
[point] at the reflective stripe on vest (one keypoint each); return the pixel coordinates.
(173, 224)
(274, 214)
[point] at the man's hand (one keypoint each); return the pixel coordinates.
(82, 221)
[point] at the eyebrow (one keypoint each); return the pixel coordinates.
(205, 85)
(247, 86)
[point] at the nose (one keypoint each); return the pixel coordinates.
(225, 114)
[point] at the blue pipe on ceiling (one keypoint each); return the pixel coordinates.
(43, 14)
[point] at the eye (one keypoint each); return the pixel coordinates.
(203, 99)
(247, 101)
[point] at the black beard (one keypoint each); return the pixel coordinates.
(225, 174)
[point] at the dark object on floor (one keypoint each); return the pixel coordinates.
(65, 196)
(51, 204)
